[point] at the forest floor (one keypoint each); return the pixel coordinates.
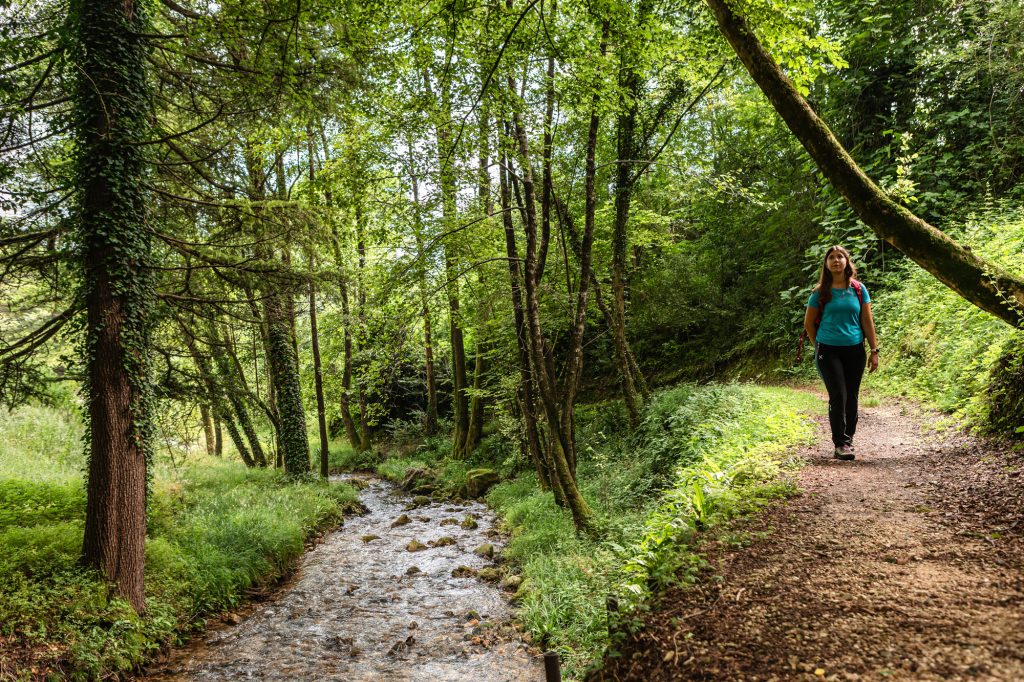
(906, 564)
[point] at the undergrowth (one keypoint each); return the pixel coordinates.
(945, 352)
(216, 531)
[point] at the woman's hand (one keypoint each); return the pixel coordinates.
(872, 362)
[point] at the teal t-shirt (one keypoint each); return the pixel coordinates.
(840, 323)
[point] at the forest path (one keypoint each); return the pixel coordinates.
(906, 564)
(367, 605)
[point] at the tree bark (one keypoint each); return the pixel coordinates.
(284, 370)
(985, 285)
(111, 118)
(318, 376)
(218, 437)
(207, 418)
(430, 427)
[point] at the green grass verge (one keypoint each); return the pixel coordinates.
(216, 530)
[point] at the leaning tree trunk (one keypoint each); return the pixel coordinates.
(206, 416)
(111, 106)
(985, 285)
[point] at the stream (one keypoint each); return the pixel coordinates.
(366, 608)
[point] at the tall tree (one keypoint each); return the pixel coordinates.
(112, 106)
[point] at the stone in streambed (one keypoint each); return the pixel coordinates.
(449, 522)
(442, 542)
(479, 481)
(401, 521)
(370, 538)
(489, 575)
(512, 582)
(464, 572)
(415, 546)
(486, 550)
(469, 523)
(420, 501)
(413, 570)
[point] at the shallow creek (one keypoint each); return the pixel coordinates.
(359, 610)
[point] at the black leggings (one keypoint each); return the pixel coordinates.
(842, 368)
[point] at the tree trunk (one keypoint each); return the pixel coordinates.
(284, 370)
(207, 419)
(234, 394)
(446, 180)
(318, 376)
(111, 108)
(430, 427)
(983, 284)
(218, 437)
(528, 403)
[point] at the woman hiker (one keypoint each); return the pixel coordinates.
(837, 320)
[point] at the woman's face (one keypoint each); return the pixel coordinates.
(836, 263)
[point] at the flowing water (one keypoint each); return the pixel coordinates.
(362, 608)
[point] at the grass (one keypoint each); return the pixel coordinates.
(701, 455)
(216, 531)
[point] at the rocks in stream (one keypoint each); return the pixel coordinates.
(449, 522)
(485, 550)
(512, 582)
(420, 501)
(442, 542)
(401, 521)
(415, 546)
(464, 572)
(479, 481)
(370, 538)
(489, 575)
(413, 570)
(469, 523)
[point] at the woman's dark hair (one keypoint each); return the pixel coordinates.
(824, 287)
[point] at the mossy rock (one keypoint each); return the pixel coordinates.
(420, 501)
(464, 572)
(469, 523)
(415, 546)
(479, 481)
(370, 538)
(401, 521)
(416, 477)
(449, 522)
(486, 550)
(442, 542)
(512, 582)
(489, 575)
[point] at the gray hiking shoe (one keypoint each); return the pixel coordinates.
(844, 453)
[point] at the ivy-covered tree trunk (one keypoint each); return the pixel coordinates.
(284, 370)
(218, 436)
(111, 106)
(985, 285)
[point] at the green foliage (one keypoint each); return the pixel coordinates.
(703, 454)
(940, 349)
(216, 529)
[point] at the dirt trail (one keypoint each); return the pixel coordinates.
(907, 564)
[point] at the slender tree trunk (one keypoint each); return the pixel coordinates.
(446, 178)
(207, 418)
(318, 375)
(284, 370)
(985, 285)
(230, 381)
(218, 437)
(112, 107)
(346, 374)
(528, 403)
(430, 427)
